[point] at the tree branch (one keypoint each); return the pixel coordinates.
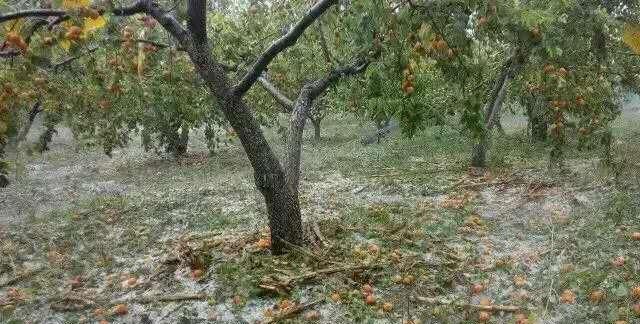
(323, 44)
(138, 7)
(286, 103)
(73, 58)
(61, 15)
(169, 23)
(197, 24)
(286, 41)
(32, 13)
(303, 103)
(33, 113)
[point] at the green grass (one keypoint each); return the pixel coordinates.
(171, 199)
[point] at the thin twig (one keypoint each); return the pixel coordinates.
(21, 276)
(164, 298)
(488, 308)
(327, 271)
(288, 312)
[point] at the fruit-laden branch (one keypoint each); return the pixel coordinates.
(286, 41)
(60, 16)
(37, 24)
(303, 103)
(138, 7)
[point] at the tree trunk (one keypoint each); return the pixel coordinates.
(4, 180)
(498, 123)
(317, 131)
(22, 135)
(294, 144)
(493, 107)
(539, 129)
(183, 141)
(479, 153)
(282, 204)
(538, 123)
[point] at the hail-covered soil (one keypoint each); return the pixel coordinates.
(407, 233)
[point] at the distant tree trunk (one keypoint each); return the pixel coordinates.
(380, 129)
(317, 132)
(493, 107)
(479, 153)
(4, 180)
(539, 128)
(183, 141)
(499, 127)
(537, 120)
(22, 135)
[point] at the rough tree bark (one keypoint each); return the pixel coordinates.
(31, 117)
(493, 107)
(288, 105)
(183, 141)
(303, 103)
(537, 120)
(317, 130)
(281, 202)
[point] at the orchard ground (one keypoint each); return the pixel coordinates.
(405, 222)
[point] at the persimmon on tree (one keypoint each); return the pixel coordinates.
(279, 185)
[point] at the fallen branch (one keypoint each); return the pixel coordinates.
(164, 298)
(318, 233)
(302, 250)
(282, 284)
(71, 304)
(21, 276)
(327, 271)
(288, 312)
(486, 308)
(6, 303)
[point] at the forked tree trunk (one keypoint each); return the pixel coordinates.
(282, 203)
(493, 107)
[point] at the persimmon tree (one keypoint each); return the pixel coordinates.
(277, 183)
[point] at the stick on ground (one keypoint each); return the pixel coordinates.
(288, 312)
(488, 308)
